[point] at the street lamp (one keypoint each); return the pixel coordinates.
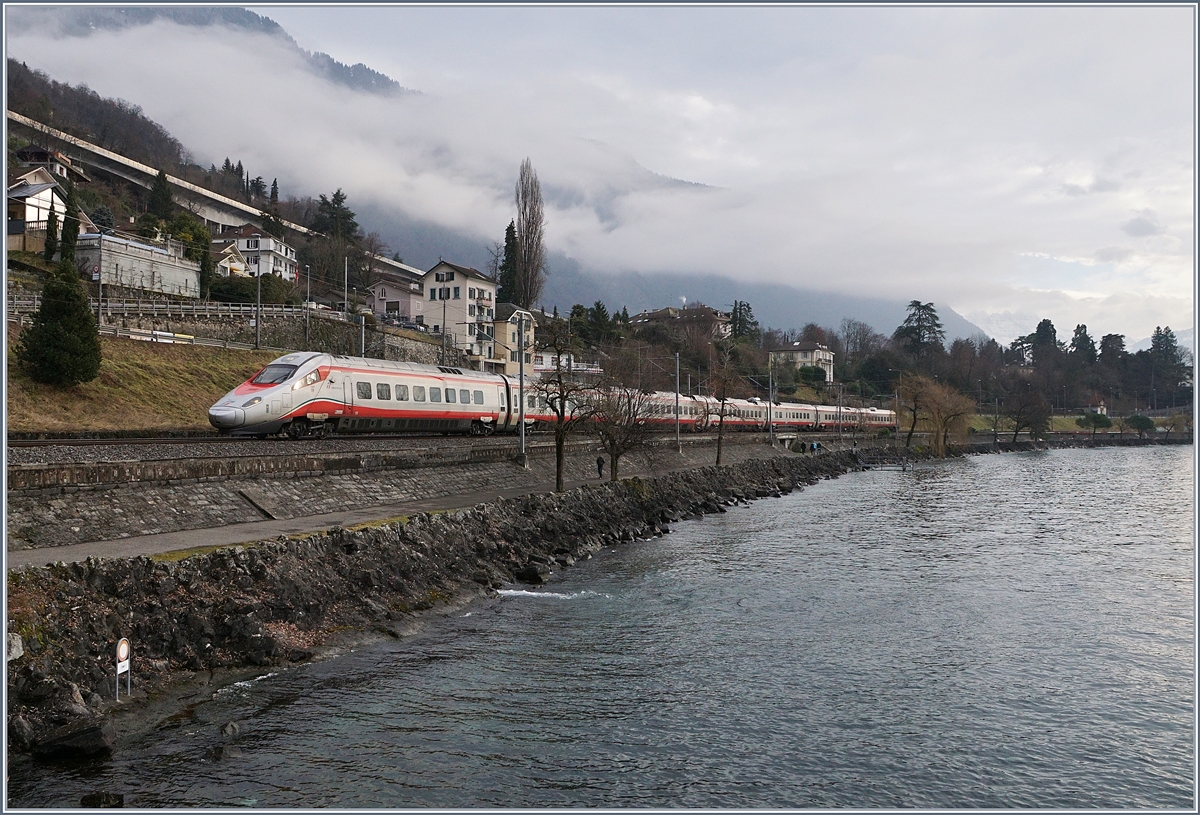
(307, 302)
(257, 307)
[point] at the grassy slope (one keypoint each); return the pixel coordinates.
(142, 386)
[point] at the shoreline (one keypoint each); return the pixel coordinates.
(244, 611)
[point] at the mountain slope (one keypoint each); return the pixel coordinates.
(82, 21)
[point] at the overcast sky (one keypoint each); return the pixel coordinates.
(1013, 163)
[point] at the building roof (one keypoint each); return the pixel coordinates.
(28, 190)
(465, 270)
(805, 345)
(697, 312)
(248, 231)
(34, 155)
(505, 311)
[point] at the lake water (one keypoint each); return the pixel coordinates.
(997, 631)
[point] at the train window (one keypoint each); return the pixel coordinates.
(464, 396)
(450, 395)
(383, 390)
(311, 378)
(274, 375)
(364, 389)
(418, 393)
(402, 393)
(478, 397)
(435, 394)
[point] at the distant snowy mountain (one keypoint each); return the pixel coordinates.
(1185, 338)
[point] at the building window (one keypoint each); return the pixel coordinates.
(471, 295)
(433, 294)
(471, 310)
(252, 244)
(512, 356)
(456, 291)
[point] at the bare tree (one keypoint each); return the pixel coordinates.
(569, 398)
(621, 407)
(949, 414)
(910, 391)
(859, 339)
(727, 383)
(531, 250)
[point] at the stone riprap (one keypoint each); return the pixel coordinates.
(274, 602)
(51, 517)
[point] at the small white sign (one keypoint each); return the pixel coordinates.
(123, 655)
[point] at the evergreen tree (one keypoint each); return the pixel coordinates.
(162, 199)
(742, 324)
(272, 222)
(51, 234)
(62, 345)
(70, 230)
(334, 218)
(103, 218)
(507, 271)
(921, 332)
(1083, 347)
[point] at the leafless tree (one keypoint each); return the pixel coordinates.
(567, 396)
(859, 339)
(621, 407)
(531, 255)
(727, 383)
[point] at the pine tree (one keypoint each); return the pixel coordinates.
(161, 198)
(51, 234)
(62, 346)
(507, 289)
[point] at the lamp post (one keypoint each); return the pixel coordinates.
(307, 302)
(770, 401)
(520, 379)
(346, 285)
(257, 307)
(678, 443)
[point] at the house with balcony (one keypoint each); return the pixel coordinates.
(229, 262)
(460, 302)
(31, 192)
(397, 292)
(503, 348)
(264, 253)
(802, 354)
(54, 162)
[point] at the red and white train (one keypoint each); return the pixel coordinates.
(307, 395)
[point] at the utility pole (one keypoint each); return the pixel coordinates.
(257, 308)
(770, 401)
(307, 303)
(520, 380)
(678, 443)
(362, 342)
(100, 279)
(346, 284)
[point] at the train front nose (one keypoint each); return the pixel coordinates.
(226, 418)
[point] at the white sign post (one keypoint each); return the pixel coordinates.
(123, 667)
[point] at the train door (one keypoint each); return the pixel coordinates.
(504, 422)
(348, 395)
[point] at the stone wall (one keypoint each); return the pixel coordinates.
(297, 485)
(271, 603)
(325, 335)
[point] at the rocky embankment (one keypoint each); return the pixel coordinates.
(277, 602)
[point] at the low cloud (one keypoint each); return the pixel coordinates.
(890, 162)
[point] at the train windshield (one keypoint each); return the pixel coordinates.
(274, 375)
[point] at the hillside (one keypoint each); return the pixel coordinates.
(142, 387)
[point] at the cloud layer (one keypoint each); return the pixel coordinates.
(1021, 160)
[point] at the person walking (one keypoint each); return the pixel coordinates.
(600, 466)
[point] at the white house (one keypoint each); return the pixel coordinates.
(397, 292)
(461, 303)
(802, 354)
(264, 253)
(228, 261)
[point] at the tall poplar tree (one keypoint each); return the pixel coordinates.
(531, 249)
(70, 230)
(51, 234)
(161, 198)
